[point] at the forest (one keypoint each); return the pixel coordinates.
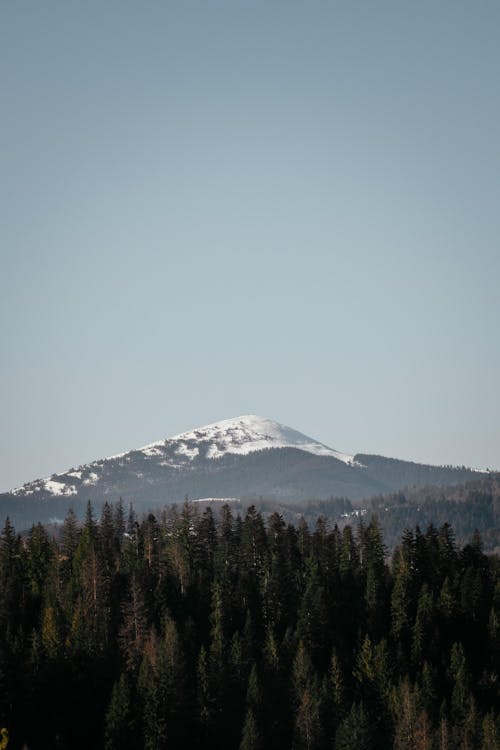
(473, 506)
(185, 629)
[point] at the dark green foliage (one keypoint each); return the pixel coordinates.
(120, 731)
(354, 732)
(251, 738)
(183, 630)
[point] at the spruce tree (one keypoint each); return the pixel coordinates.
(354, 731)
(250, 739)
(120, 727)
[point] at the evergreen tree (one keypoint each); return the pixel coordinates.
(459, 682)
(50, 637)
(337, 688)
(401, 600)
(250, 739)
(406, 712)
(134, 627)
(120, 728)
(422, 626)
(206, 704)
(375, 579)
(152, 694)
(313, 616)
(354, 731)
(308, 729)
(490, 732)
(39, 559)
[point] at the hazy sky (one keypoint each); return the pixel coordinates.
(217, 208)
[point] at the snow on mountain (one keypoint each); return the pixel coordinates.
(239, 436)
(246, 457)
(244, 435)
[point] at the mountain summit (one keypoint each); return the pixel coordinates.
(239, 436)
(243, 457)
(249, 433)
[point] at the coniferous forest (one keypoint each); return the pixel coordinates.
(183, 630)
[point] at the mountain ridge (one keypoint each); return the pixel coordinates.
(246, 456)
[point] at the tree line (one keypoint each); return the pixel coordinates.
(467, 507)
(181, 629)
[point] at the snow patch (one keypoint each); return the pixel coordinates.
(26, 489)
(91, 479)
(153, 450)
(217, 500)
(59, 488)
(185, 450)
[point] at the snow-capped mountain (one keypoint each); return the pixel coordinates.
(244, 435)
(239, 436)
(243, 457)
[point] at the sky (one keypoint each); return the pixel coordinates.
(218, 208)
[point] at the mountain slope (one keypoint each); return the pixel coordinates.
(247, 456)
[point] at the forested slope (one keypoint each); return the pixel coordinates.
(174, 631)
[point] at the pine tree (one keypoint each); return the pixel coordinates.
(250, 739)
(448, 558)
(50, 637)
(134, 627)
(423, 732)
(254, 691)
(254, 543)
(251, 736)
(120, 728)
(349, 557)
(422, 625)
(70, 536)
(12, 582)
(354, 731)
(205, 698)
(490, 732)
(303, 538)
(313, 616)
(469, 733)
(307, 734)
(119, 523)
(337, 690)
(459, 682)
(350, 595)
(151, 689)
(406, 712)
(376, 578)
(279, 587)
(39, 560)
(443, 735)
(204, 552)
(372, 674)
(108, 541)
(171, 670)
(401, 600)
(447, 602)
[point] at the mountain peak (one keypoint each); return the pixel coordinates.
(250, 432)
(241, 436)
(246, 456)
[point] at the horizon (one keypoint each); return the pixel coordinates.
(77, 465)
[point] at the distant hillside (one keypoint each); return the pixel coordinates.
(246, 457)
(470, 507)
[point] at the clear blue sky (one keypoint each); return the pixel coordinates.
(216, 208)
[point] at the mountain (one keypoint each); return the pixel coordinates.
(245, 457)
